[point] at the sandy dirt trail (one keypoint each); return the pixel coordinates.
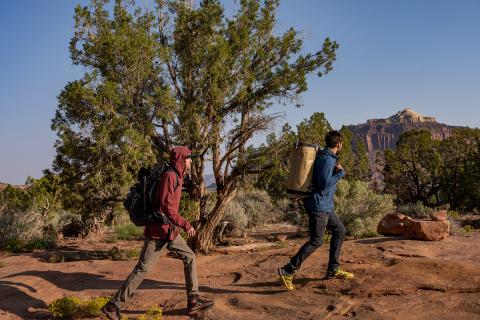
(395, 278)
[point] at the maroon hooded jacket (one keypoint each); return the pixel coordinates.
(169, 199)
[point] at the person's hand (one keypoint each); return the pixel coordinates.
(191, 232)
(339, 167)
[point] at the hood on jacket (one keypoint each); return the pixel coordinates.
(327, 151)
(177, 158)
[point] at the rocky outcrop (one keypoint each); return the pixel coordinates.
(429, 230)
(383, 134)
(396, 224)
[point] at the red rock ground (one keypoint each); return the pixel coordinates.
(395, 278)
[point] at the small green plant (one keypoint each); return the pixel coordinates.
(14, 245)
(368, 234)
(466, 229)
(92, 306)
(18, 245)
(112, 239)
(154, 313)
(2, 264)
(415, 210)
(116, 254)
(40, 244)
(65, 307)
(64, 257)
(453, 214)
(128, 232)
(133, 253)
(73, 306)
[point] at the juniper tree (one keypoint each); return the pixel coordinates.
(179, 74)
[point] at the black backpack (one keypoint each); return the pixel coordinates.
(140, 200)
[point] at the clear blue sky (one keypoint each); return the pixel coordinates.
(393, 54)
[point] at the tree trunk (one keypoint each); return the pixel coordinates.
(197, 191)
(204, 240)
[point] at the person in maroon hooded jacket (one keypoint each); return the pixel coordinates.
(168, 194)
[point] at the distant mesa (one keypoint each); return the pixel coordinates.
(383, 134)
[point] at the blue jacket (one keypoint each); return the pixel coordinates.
(324, 182)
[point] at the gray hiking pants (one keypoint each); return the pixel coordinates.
(151, 250)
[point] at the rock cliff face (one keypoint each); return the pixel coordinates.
(383, 134)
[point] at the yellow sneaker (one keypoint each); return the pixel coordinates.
(287, 279)
(339, 274)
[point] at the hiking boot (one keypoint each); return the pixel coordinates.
(339, 274)
(111, 311)
(197, 305)
(287, 278)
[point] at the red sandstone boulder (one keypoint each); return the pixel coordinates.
(439, 215)
(394, 224)
(428, 230)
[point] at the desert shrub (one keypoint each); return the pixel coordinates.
(128, 232)
(258, 207)
(466, 229)
(72, 306)
(31, 213)
(117, 254)
(295, 213)
(37, 243)
(235, 215)
(154, 313)
(453, 214)
(360, 208)
(415, 210)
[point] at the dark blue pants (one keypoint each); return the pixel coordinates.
(318, 222)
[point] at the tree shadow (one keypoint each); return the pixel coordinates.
(66, 254)
(80, 281)
(16, 301)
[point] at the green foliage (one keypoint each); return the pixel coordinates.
(117, 254)
(460, 171)
(128, 232)
(415, 210)
(258, 207)
(360, 208)
(132, 253)
(250, 208)
(72, 306)
(361, 169)
(174, 75)
(65, 307)
(64, 257)
(466, 229)
(30, 215)
(453, 214)
(37, 243)
(154, 313)
(346, 155)
(412, 170)
(436, 172)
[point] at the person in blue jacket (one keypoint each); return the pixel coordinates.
(321, 216)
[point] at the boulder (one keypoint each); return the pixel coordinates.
(394, 224)
(429, 230)
(439, 215)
